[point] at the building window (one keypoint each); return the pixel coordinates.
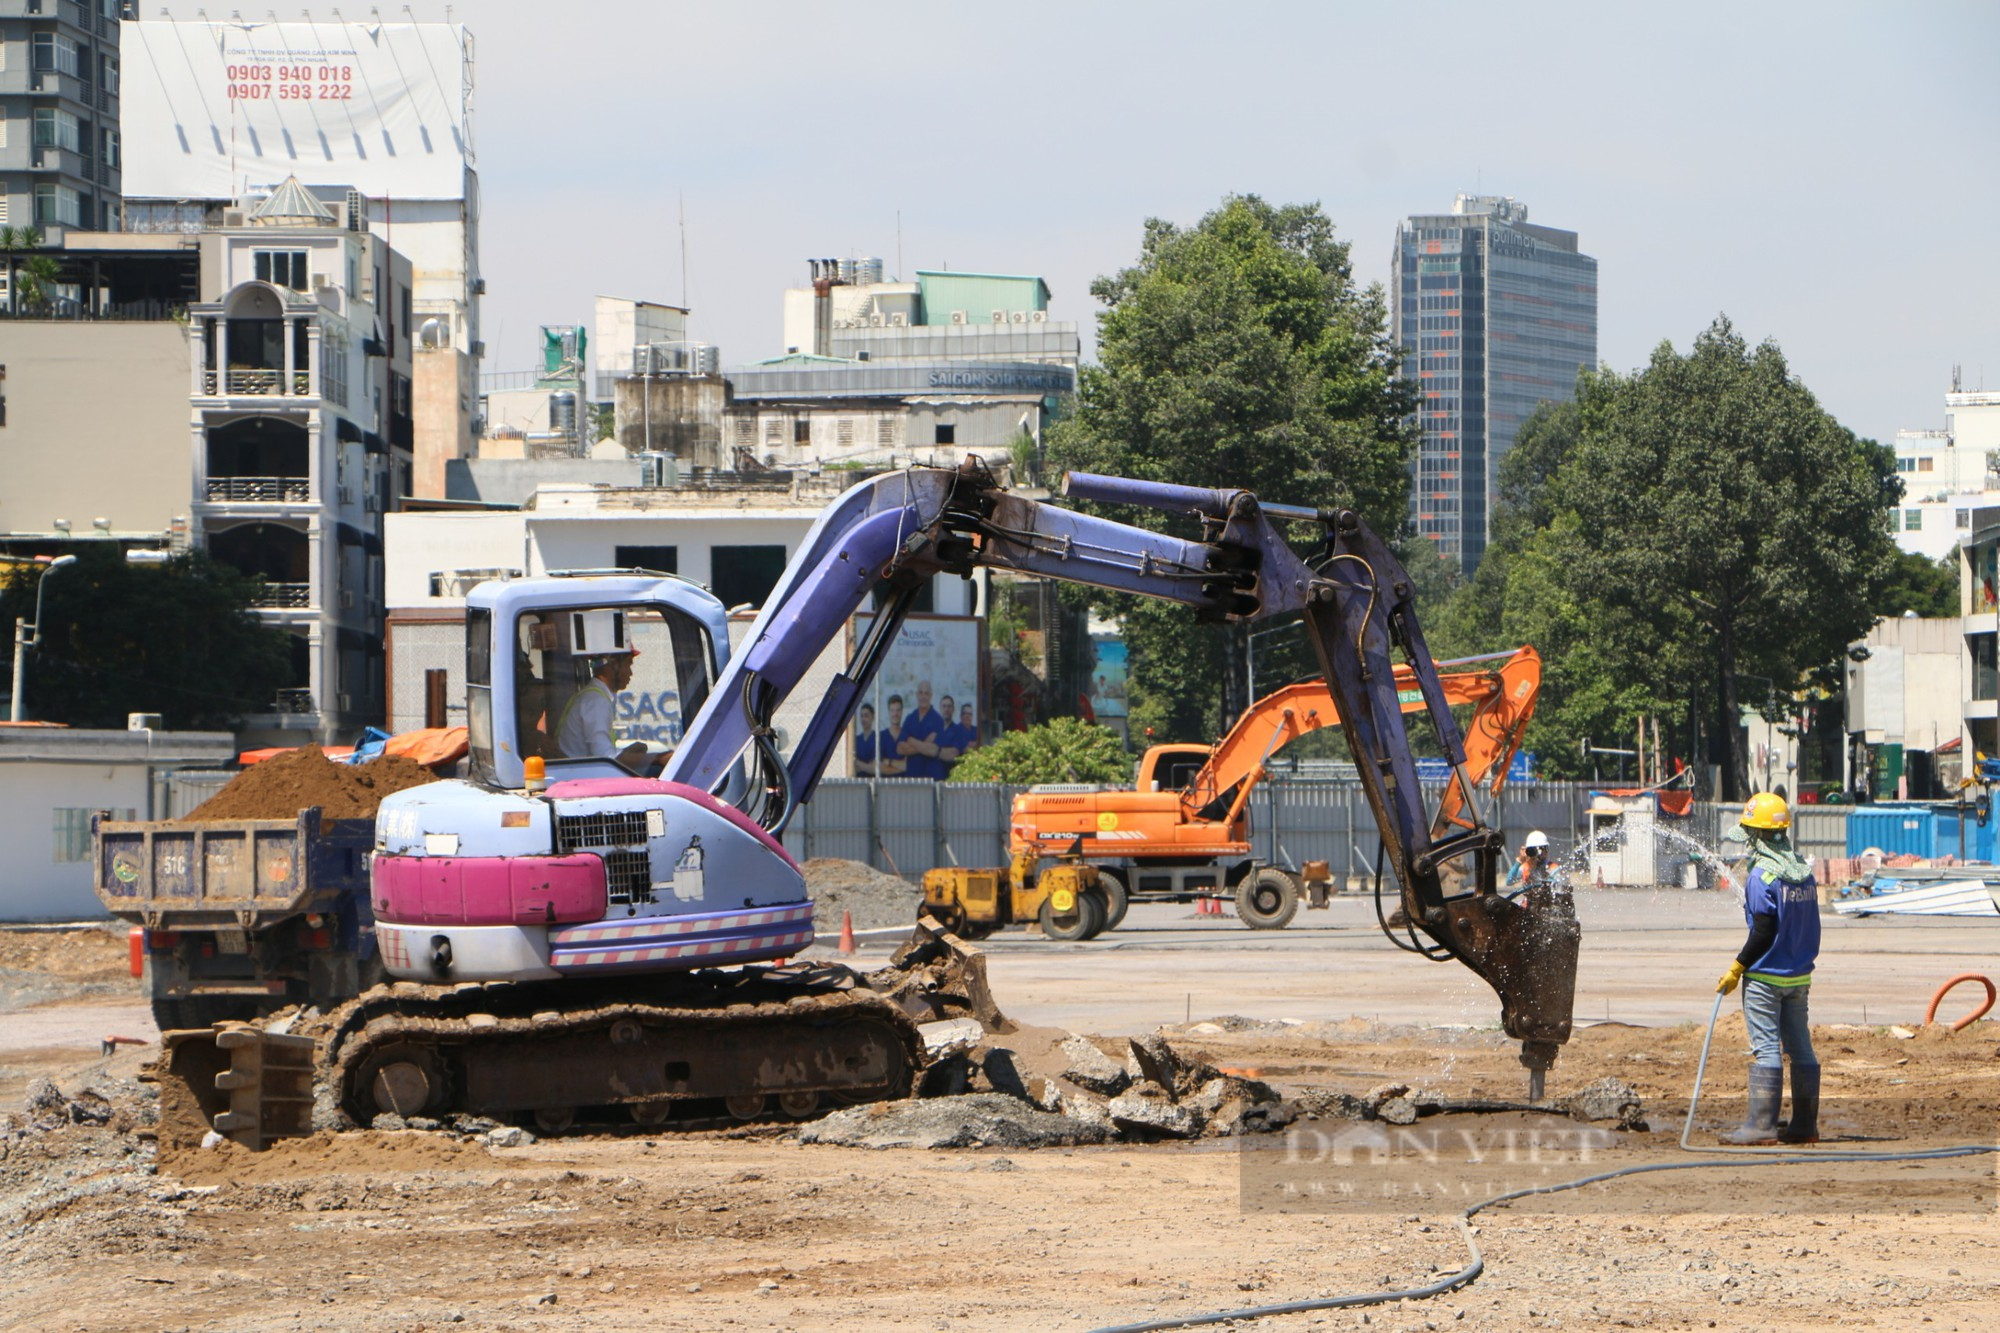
(1913, 520)
(659, 559)
(746, 431)
(285, 268)
(58, 204)
(1906, 465)
(947, 433)
(1925, 464)
(843, 431)
(110, 74)
(1962, 520)
(802, 430)
(56, 128)
(111, 148)
(885, 430)
(745, 575)
(55, 54)
(72, 831)
(774, 431)
(1985, 670)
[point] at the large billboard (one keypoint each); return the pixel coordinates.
(922, 712)
(217, 110)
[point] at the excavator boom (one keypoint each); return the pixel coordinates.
(1358, 606)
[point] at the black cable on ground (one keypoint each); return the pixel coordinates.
(1767, 1157)
(1472, 1270)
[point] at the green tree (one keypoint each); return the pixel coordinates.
(14, 241)
(173, 639)
(1720, 525)
(1064, 750)
(1239, 353)
(1915, 583)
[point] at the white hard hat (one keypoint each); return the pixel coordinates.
(1535, 839)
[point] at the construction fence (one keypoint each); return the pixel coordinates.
(906, 826)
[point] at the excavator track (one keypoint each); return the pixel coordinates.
(784, 1044)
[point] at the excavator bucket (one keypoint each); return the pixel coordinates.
(250, 1086)
(937, 976)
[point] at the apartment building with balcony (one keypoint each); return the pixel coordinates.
(299, 359)
(245, 389)
(60, 161)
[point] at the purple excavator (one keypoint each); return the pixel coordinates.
(570, 929)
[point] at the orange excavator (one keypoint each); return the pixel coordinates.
(1184, 833)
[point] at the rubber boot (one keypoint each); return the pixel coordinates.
(1803, 1127)
(1767, 1089)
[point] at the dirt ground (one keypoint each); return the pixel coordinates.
(752, 1229)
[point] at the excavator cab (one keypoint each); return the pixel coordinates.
(597, 678)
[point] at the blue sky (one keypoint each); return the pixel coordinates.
(1822, 173)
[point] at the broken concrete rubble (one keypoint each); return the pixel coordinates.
(1148, 1109)
(1091, 1069)
(977, 1120)
(1608, 1099)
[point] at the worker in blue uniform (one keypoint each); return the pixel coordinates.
(1775, 967)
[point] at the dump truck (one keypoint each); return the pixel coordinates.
(1183, 831)
(237, 918)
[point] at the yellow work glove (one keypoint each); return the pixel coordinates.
(1729, 979)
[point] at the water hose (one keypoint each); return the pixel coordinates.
(1476, 1258)
(1930, 1014)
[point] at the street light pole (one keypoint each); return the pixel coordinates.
(28, 636)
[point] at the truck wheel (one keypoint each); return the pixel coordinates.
(1116, 897)
(1267, 900)
(1081, 924)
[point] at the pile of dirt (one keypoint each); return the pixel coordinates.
(877, 900)
(285, 784)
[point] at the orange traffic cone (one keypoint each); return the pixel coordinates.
(847, 932)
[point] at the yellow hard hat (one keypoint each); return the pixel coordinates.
(1767, 810)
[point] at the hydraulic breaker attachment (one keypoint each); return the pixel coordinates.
(1360, 607)
(250, 1086)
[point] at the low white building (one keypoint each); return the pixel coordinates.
(52, 779)
(1906, 687)
(1947, 474)
(734, 537)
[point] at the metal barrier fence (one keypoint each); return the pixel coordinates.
(906, 826)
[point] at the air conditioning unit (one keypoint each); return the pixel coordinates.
(357, 211)
(1038, 316)
(876, 320)
(958, 317)
(478, 350)
(898, 320)
(232, 217)
(1020, 317)
(999, 317)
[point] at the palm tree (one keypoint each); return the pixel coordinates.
(14, 240)
(38, 274)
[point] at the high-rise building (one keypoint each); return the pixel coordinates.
(1496, 315)
(59, 150)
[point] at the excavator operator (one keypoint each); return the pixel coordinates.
(584, 731)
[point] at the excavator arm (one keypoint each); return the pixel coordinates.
(900, 529)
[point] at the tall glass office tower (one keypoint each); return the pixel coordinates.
(1496, 315)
